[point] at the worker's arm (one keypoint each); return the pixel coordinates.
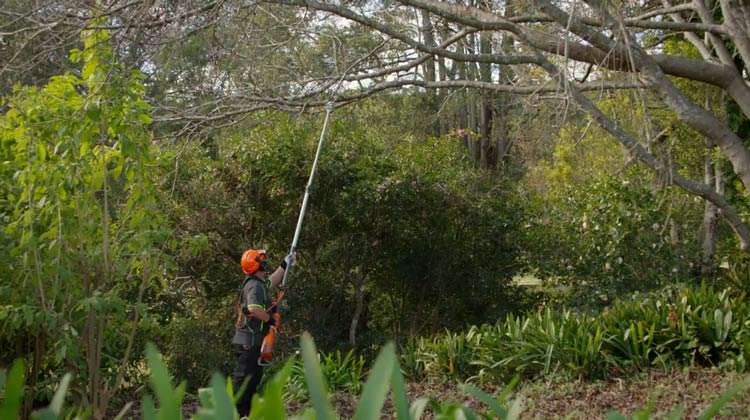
(259, 313)
(255, 296)
(278, 275)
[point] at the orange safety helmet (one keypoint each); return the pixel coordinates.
(253, 260)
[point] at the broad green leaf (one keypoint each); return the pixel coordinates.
(127, 147)
(400, 397)
(14, 385)
(59, 399)
(417, 408)
(257, 411)
(315, 382)
(206, 396)
(376, 388)
(41, 151)
(224, 407)
(273, 394)
(482, 396)
(161, 384)
(148, 409)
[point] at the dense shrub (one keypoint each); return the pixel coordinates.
(676, 326)
(406, 223)
(608, 238)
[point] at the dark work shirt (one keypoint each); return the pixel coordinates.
(251, 330)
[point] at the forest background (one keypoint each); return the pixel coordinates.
(484, 159)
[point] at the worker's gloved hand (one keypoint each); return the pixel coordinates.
(288, 260)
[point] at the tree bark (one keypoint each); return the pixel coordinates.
(721, 75)
(359, 292)
(692, 187)
(710, 218)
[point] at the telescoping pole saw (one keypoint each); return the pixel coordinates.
(266, 349)
(293, 250)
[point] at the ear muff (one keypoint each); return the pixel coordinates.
(262, 263)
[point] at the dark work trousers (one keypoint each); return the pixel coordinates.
(247, 368)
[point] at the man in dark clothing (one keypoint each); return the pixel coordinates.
(253, 322)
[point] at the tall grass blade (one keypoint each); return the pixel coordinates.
(482, 396)
(376, 388)
(224, 407)
(13, 391)
(315, 381)
(400, 397)
(417, 408)
(147, 408)
(169, 406)
(724, 399)
(509, 388)
(273, 394)
(56, 406)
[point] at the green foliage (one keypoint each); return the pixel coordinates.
(671, 327)
(12, 385)
(604, 240)
(385, 375)
(600, 224)
(190, 342)
(82, 231)
(370, 230)
(343, 374)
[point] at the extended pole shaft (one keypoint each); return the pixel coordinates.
(293, 250)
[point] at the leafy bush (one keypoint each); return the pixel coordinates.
(672, 327)
(83, 233)
(594, 242)
(190, 346)
(342, 374)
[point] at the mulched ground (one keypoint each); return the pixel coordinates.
(694, 389)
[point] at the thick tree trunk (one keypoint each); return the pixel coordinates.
(695, 116)
(653, 75)
(736, 15)
(730, 214)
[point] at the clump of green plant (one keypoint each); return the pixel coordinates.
(343, 373)
(385, 375)
(673, 327)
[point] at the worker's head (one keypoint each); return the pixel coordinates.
(254, 260)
